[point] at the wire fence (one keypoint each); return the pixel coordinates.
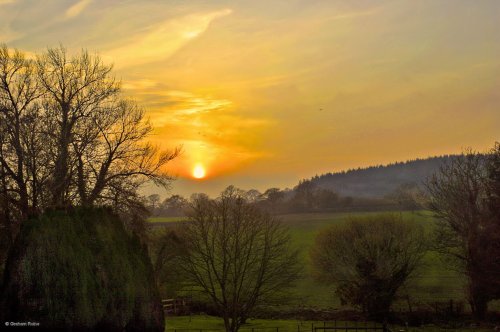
(301, 327)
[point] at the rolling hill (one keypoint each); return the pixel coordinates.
(378, 181)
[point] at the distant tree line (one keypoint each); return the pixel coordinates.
(307, 196)
(382, 180)
(397, 186)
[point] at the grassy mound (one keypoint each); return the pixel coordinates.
(79, 269)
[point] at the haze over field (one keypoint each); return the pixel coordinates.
(263, 93)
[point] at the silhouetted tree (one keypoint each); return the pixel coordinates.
(458, 197)
(239, 256)
(369, 259)
(77, 90)
(174, 205)
(493, 225)
(23, 154)
(67, 137)
(153, 203)
(253, 196)
(305, 196)
(272, 198)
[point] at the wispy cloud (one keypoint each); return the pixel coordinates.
(181, 107)
(139, 85)
(76, 9)
(209, 128)
(355, 14)
(163, 40)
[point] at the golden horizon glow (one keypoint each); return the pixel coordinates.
(199, 171)
(347, 83)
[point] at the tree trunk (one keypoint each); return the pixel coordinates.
(478, 300)
(227, 325)
(479, 308)
(5, 207)
(59, 179)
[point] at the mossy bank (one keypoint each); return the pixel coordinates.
(79, 269)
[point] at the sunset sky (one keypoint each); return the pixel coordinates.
(263, 93)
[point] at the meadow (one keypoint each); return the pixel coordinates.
(432, 283)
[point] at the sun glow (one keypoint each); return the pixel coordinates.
(199, 171)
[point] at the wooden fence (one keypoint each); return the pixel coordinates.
(175, 306)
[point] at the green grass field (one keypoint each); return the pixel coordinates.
(433, 282)
(210, 322)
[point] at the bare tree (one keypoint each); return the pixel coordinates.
(68, 137)
(76, 87)
(239, 256)
(493, 224)
(117, 151)
(19, 146)
(369, 259)
(458, 197)
(493, 182)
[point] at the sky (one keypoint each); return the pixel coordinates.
(260, 94)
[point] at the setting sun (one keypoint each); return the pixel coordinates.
(199, 171)
(214, 155)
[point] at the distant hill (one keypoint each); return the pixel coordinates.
(378, 181)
